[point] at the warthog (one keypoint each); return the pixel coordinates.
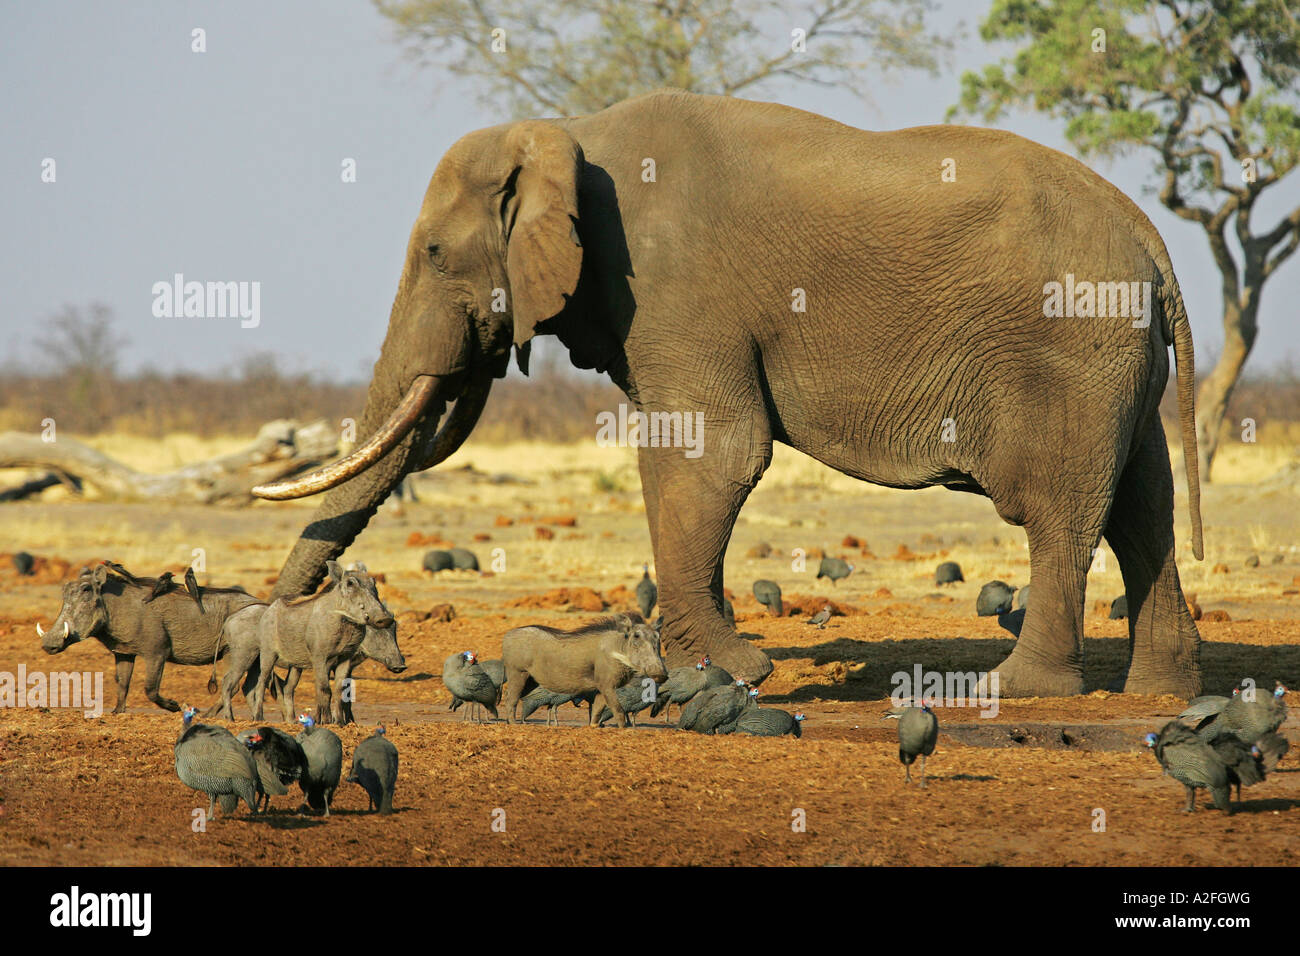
(169, 628)
(321, 632)
(602, 657)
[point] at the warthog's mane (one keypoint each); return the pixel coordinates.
(600, 624)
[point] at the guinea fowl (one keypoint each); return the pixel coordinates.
(821, 617)
(1216, 764)
(632, 698)
(685, 682)
(496, 672)
(24, 563)
(834, 568)
(769, 722)
(717, 710)
(948, 573)
(323, 764)
(647, 595)
(374, 769)
(279, 759)
(997, 597)
(462, 675)
(462, 559)
(768, 594)
(211, 760)
(1119, 608)
(543, 697)
(436, 561)
(1248, 719)
(918, 732)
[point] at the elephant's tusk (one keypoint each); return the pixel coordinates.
(460, 422)
(401, 421)
(40, 632)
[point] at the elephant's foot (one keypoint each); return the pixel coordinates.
(733, 654)
(1023, 676)
(1167, 677)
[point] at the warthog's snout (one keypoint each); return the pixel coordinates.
(52, 642)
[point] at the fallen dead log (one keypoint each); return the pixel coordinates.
(281, 449)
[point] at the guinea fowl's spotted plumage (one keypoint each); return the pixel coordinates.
(918, 732)
(1248, 719)
(1192, 762)
(278, 757)
(1119, 608)
(834, 568)
(1248, 764)
(769, 722)
(462, 675)
(542, 697)
(717, 709)
(994, 598)
(211, 760)
(631, 697)
(768, 594)
(374, 768)
(647, 595)
(684, 683)
(323, 752)
(948, 573)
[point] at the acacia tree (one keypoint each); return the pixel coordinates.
(1207, 88)
(583, 55)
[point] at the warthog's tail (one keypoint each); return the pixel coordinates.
(216, 653)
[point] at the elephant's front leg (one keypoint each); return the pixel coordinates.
(692, 504)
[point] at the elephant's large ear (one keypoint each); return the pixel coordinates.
(539, 209)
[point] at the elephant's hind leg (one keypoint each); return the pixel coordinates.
(1164, 644)
(692, 505)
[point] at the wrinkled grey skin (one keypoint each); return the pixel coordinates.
(602, 657)
(169, 629)
(923, 302)
(319, 632)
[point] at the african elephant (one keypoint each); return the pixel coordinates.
(883, 302)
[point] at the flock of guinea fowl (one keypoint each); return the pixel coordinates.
(1231, 741)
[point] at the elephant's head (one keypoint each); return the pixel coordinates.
(494, 252)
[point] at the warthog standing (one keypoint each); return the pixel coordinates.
(169, 628)
(321, 632)
(603, 656)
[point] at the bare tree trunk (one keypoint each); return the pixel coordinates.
(1239, 333)
(282, 449)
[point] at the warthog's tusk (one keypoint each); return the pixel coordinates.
(40, 632)
(67, 629)
(348, 617)
(622, 659)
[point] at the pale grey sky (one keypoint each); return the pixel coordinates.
(225, 165)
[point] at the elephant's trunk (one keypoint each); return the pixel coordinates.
(351, 503)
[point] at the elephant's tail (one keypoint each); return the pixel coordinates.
(1177, 326)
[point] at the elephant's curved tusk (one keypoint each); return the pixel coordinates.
(460, 422)
(401, 421)
(40, 632)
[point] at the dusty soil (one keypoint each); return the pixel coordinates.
(1023, 787)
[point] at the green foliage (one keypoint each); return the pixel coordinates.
(583, 55)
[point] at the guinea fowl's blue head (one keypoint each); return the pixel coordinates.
(799, 716)
(379, 730)
(252, 741)
(1236, 692)
(470, 656)
(702, 663)
(306, 721)
(1254, 751)
(1150, 740)
(1280, 691)
(188, 714)
(753, 692)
